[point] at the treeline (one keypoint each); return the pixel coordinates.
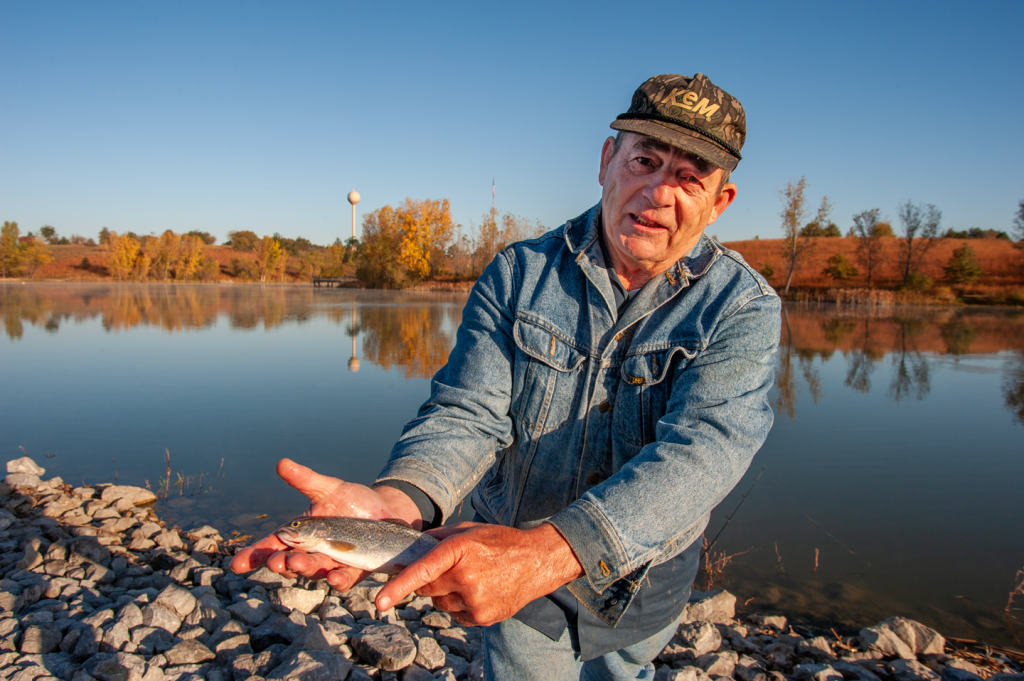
(21, 255)
(168, 257)
(920, 231)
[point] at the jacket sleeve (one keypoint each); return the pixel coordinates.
(451, 443)
(717, 417)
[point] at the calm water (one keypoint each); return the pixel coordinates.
(893, 480)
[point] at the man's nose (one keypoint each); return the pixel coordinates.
(661, 189)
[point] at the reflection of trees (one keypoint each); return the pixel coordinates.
(411, 337)
(785, 381)
(958, 335)
(1013, 387)
(912, 374)
(862, 361)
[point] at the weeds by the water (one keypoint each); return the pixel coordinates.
(184, 483)
(715, 563)
(1018, 590)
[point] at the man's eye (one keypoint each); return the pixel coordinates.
(642, 162)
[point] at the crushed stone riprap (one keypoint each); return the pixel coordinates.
(94, 586)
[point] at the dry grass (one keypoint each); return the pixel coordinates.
(1002, 262)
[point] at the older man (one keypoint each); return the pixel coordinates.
(607, 390)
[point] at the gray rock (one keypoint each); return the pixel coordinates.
(437, 620)
(40, 640)
(269, 579)
(115, 637)
(87, 549)
(229, 630)
(919, 638)
(114, 670)
(88, 642)
(315, 665)
(175, 598)
(702, 637)
(21, 480)
(362, 608)
(456, 641)
(386, 646)
(25, 465)
(712, 606)
(1006, 677)
(232, 647)
(685, 674)
(32, 556)
(208, 618)
(815, 672)
(297, 599)
(676, 654)
(189, 652)
(911, 670)
(776, 622)
(882, 641)
(854, 672)
(955, 674)
(206, 576)
(150, 640)
(429, 654)
(169, 539)
(415, 673)
(125, 497)
(817, 648)
(718, 664)
(130, 615)
(259, 664)
(156, 615)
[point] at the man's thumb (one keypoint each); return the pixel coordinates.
(306, 480)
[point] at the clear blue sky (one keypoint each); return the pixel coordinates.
(147, 116)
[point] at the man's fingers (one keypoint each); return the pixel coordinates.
(306, 480)
(449, 530)
(252, 557)
(439, 560)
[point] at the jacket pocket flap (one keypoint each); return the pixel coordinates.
(651, 367)
(547, 345)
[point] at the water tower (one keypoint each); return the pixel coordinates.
(353, 198)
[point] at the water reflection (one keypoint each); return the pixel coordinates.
(912, 338)
(410, 333)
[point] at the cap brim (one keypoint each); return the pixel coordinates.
(680, 137)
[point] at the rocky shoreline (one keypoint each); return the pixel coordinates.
(94, 586)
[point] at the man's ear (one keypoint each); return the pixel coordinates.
(723, 200)
(607, 151)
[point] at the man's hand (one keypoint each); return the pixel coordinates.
(328, 497)
(483, 574)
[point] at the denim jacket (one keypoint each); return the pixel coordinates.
(623, 432)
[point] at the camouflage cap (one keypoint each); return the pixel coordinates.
(690, 113)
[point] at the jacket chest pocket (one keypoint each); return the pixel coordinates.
(545, 377)
(645, 386)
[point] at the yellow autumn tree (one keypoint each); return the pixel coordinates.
(188, 258)
(127, 261)
(381, 248)
(268, 255)
(427, 231)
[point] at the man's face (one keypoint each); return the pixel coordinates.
(655, 204)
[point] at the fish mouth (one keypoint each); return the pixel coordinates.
(288, 536)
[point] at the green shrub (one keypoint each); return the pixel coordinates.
(839, 268)
(963, 267)
(918, 282)
(767, 270)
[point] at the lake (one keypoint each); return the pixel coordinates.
(891, 483)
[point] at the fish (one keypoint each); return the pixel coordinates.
(373, 545)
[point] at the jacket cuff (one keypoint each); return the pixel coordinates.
(595, 543)
(425, 478)
(428, 509)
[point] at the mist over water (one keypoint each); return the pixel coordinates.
(891, 481)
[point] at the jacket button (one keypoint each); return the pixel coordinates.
(594, 479)
(614, 601)
(604, 407)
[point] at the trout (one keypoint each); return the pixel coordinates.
(373, 545)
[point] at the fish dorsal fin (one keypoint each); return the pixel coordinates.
(343, 546)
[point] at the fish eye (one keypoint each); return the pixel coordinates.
(295, 523)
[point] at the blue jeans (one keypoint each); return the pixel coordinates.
(515, 652)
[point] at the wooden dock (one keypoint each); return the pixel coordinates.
(332, 281)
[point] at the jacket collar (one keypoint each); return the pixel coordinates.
(581, 235)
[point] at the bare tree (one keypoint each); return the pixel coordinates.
(920, 229)
(1018, 222)
(869, 240)
(793, 213)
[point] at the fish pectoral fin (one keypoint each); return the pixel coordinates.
(341, 545)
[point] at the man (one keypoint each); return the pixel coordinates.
(607, 390)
